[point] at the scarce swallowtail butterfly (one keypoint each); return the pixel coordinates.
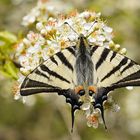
(81, 72)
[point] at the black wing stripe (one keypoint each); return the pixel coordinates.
(127, 67)
(71, 50)
(28, 83)
(53, 60)
(44, 68)
(123, 62)
(124, 84)
(64, 60)
(93, 50)
(102, 58)
(36, 90)
(133, 76)
(40, 73)
(113, 55)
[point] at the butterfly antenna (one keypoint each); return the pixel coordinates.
(91, 28)
(71, 28)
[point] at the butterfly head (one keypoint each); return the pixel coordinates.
(81, 36)
(82, 41)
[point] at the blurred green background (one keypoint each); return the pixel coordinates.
(49, 118)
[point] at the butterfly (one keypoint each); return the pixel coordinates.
(82, 71)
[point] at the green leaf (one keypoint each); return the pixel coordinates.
(11, 69)
(5, 35)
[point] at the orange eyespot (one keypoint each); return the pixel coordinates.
(79, 90)
(92, 90)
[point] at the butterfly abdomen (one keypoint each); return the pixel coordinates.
(84, 64)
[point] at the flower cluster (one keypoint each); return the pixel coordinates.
(43, 10)
(55, 34)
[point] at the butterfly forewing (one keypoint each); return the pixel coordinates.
(57, 72)
(111, 68)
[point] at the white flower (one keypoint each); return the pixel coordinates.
(32, 37)
(115, 108)
(87, 26)
(117, 47)
(72, 37)
(25, 71)
(20, 47)
(69, 21)
(34, 49)
(85, 14)
(100, 38)
(17, 96)
(39, 26)
(21, 78)
(93, 119)
(27, 20)
(43, 10)
(92, 40)
(123, 51)
(107, 29)
(51, 8)
(85, 106)
(44, 54)
(26, 41)
(130, 87)
(110, 104)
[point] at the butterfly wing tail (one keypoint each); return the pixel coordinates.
(72, 99)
